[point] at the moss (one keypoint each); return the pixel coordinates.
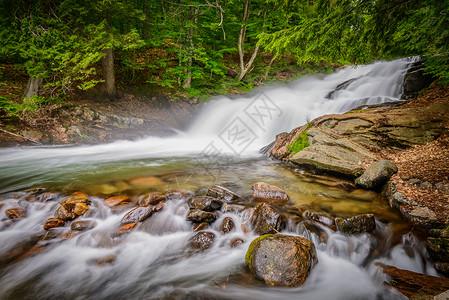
(255, 243)
(354, 111)
(300, 143)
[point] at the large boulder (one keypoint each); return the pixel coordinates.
(415, 80)
(222, 193)
(377, 174)
(281, 260)
(266, 192)
(267, 220)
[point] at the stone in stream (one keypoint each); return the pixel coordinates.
(80, 209)
(281, 260)
(178, 195)
(321, 218)
(102, 261)
(359, 224)
(200, 226)
(227, 225)
(205, 203)
(437, 245)
(83, 225)
(16, 213)
(116, 200)
(53, 222)
(377, 174)
(196, 215)
(44, 197)
(153, 199)
(203, 240)
(138, 214)
(222, 193)
(267, 192)
(78, 197)
(65, 212)
(267, 220)
(127, 228)
(237, 241)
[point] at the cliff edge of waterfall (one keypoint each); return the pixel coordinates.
(412, 134)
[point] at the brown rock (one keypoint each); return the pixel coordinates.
(138, 214)
(227, 225)
(266, 192)
(178, 195)
(127, 228)
(324, 219)
(196, 215)
(237, 241)
(203, 240)
(52, 223)
(116, 200)
(205, 203)
(267, 220)
(65, 212)
(80, 209)
(200, 226)
(158, 207)
(222, 193)
(102, 261)
(16, 213)
(78, 197)
(83, 225)
(153, 199)
(356, 225)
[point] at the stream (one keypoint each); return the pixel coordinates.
(221, 147)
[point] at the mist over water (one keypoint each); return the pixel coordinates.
(153, 262)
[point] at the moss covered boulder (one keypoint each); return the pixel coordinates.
(281, 260)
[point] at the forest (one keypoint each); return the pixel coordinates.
(195, 49)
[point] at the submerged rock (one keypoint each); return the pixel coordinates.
(377, 174)
(16, 213)
(52, 223)
(178, 195)
(356, 225)
(227, 225)
(138, 214)
(200, 226)
(223, 194)
(205, 203)
(264, 191)
(83, 225)
(116, 200)
(196, 215)
(153, 199)
(267, 220)
(203, 240)
(281, 260)
(127, 228)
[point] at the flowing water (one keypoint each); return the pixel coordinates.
(220, 147)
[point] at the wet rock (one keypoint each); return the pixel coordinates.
(53, 233)
(342, 86)
(137, 214)
(16, 213)
(122, 207)
(146, 182)
(415, 285)
(65, 212)
(102, 261)
(324, 219)
(158, 207)
(236, 242)
(153, 199)
(117, 200)
(127, 228)
(223, 194)
(203, 240)
(44, 197)
(267, 220)
(356, 225)
(78, 197)
(266, 192)
(232, 208)
(83, 225)
(414, 81)
(178, 195)
(53, 222)
(196, 215)
(377, 174)
(317, 230)
(205, 203)
(200, 226)
(281, 260)
(437, 245)
(80, 209)
(227, 225)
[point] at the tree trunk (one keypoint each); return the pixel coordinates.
(107, 63)
(33, 87)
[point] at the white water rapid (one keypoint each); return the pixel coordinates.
(153, 262)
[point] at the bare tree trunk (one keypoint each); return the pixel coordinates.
(107, 63)
(245, 68)
(33, 87)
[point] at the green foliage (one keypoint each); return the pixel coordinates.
(32, 104)
(300, 143)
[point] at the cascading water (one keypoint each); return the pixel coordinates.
(153, 262)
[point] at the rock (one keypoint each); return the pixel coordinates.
(222, 193)
(52, 223)
(83, 225)
(426, 185)
(237, 241)
(415, 285)
(53, 233)
(281, 260)
(265, 192)
(127, 228)
(341, 86)
(117, 200)
(65, 212)
(178, 195)
(203, 240)
(200, 226)
(423, 213)
(232, 208)
(78, 197)
(356, 225)
(377, 174)
(80, 209)
(267, 220)
(437, 245)
(102, 261)
(152, 199)
(415, 80)
(324, 219)
(196, 215)
(398, 199)
(205, 203)
(44, 197)
(16, 213)
(122, 207)
(315, 229)
(146, 182)
(227, 225)
(137, 214)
